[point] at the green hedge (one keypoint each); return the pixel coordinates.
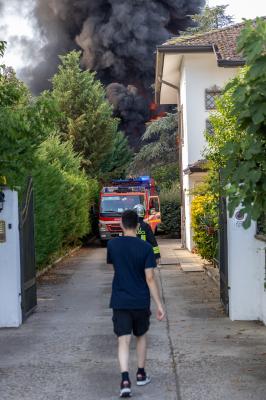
(63, 198)
(170, 211)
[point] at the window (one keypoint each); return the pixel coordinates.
(154, 204)
(209, 127)
(118, 204)
(210, 97)
(261, 225)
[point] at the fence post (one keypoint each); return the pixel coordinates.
(10, 273)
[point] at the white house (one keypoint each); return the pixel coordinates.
(190, 71)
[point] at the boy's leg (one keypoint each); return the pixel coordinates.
(140, 329)
(123, 324)
(123, 352)
(123, 357)
(142, 350)
(142, 377)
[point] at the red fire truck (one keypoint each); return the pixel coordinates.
(124, 195)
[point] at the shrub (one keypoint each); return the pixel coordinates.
(24, 123)
(204, 216)
(63, 196)
(170, 211)
(238, 147)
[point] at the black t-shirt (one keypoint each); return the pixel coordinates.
(130, 257)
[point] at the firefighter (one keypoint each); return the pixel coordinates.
(145, 232)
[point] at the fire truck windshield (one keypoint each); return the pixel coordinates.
(118, 204)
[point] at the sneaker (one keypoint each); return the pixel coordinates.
(125, 389)
(143, 379)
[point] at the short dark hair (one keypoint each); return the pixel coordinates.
(130, 219)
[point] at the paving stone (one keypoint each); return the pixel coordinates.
(169, 261)
(191, 267)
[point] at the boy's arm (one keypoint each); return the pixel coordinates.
(154, 290)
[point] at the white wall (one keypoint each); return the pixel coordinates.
(183, 104)
(264, 306)
(198, 73)
(247, 296)
(201, 73)
(10, 279)
(246, 268)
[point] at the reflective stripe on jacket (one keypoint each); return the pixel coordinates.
(145, 233)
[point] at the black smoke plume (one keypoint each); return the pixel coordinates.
(118, 39)
(131, 108)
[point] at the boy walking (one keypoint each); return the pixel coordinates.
(133, 283)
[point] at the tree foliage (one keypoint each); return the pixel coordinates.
(165, 175)
(38, 136)
(87, 117)
(63, 196)
(116, 162)
(211, 18)
(238, 147)
(159, 147)
(24, 123)
(159, 158)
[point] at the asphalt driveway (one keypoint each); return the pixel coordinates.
(66, 350)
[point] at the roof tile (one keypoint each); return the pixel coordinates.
(223, 40)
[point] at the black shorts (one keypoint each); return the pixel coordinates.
(128, 321)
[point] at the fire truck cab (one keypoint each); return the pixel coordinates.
(124, 195)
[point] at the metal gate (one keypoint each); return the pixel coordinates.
(27, 253)
(223, 254)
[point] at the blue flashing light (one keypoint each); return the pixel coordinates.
(140, 179)
(141, 182)
(144, 178)
(120, 181)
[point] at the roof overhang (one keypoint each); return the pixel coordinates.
(199, 166)
(185, 49)
(168, 64)
(231, 63)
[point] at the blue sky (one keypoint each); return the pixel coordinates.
(242, 8)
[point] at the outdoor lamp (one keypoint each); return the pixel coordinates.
(2, 200)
